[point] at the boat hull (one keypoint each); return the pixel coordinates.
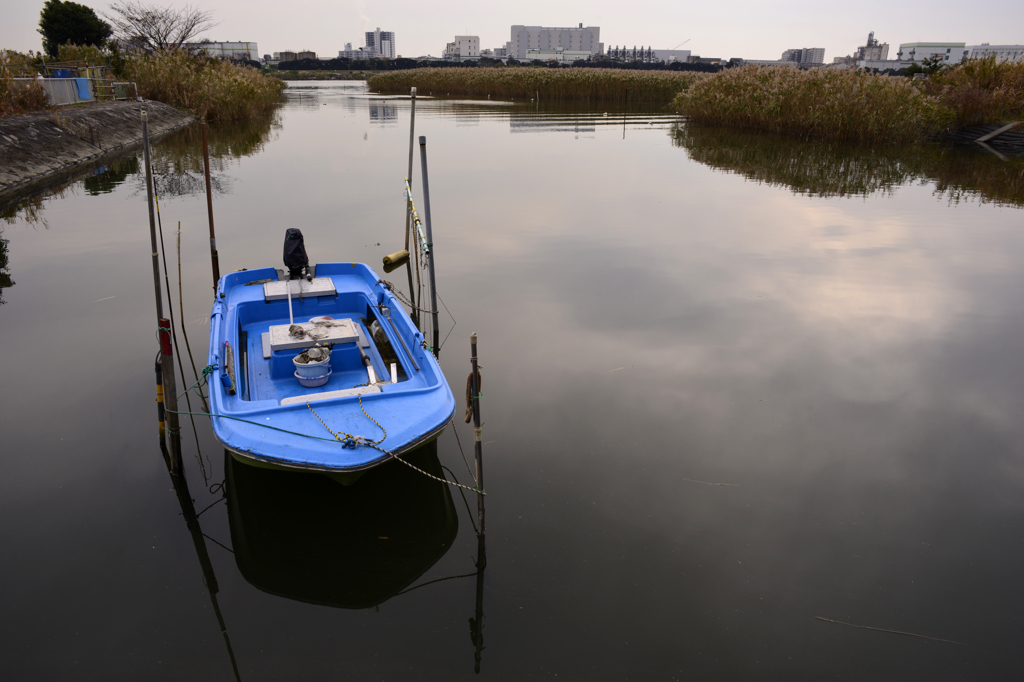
(264, 415)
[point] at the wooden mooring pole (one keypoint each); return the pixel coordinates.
(214, 258)
(152, 217)
(478, 446)
(430, 244)
(170, 397)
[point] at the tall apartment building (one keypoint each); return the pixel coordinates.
(542, 40)
(805, 56)
(380, 44)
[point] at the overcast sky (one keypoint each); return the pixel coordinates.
(740, 28)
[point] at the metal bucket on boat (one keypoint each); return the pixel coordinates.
(312, 373)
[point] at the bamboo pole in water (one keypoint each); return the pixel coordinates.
(152, 217)
(477, 441)
(412, 138)
(430, 243)
(214, 257)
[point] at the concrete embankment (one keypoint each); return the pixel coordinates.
(37, 147)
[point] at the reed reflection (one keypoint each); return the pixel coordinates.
(5, 275)
(827, 169)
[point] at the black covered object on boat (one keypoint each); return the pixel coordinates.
(295, 258)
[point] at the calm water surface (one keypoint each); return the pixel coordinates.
(836, 334)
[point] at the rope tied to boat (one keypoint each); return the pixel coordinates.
(204, 379)
(352, 441)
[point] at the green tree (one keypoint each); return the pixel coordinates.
(68, 22)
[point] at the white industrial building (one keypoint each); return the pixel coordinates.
(236, 51)
(564, 44)
(1002, 53)
(670, 56)
(950, 53)
(463, 46)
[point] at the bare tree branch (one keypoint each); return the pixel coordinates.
(152, 28)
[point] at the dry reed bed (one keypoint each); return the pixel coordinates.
(828, 104)
(19, 99)
(656, 87)
(208, 88)
(980, 91)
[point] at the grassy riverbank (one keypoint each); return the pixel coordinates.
(614, 85)
(833, 104)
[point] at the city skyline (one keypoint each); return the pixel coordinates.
(741, 29)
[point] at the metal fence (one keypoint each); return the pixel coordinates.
(63, 91)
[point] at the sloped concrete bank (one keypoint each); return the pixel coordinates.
(35, 148)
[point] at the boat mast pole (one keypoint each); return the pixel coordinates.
(430, 243)
(412, 139)
(152, 217)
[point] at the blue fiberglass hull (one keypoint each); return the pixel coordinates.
(266, 418)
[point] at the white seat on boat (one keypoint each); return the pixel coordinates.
(320, 286)
(359, 390)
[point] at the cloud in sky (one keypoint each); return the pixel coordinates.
(742, 28)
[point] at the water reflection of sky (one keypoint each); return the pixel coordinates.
(654, 316)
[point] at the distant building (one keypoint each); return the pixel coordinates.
(872, 50)
(884, 64)
(569, 43)
(805, 56)
(949, 53)
(1002, 53)
(349, 53)
(463, 46)
(495, 53)
(737, 61)
(305, 54)
(380, 44)
(285, 56)
(236, 51)
(669, 56)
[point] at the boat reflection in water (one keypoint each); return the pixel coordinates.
(303, 536)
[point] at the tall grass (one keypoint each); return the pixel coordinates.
(21, 98)
(654, 87)
(980, 91)
(208, 88)
(829, 104)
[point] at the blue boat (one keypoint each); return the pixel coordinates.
(377, 393)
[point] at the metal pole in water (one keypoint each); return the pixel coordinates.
(152, 218)
(430, 242)
(214, 258)
(170, 391)
(477, 442)
(412, 139)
